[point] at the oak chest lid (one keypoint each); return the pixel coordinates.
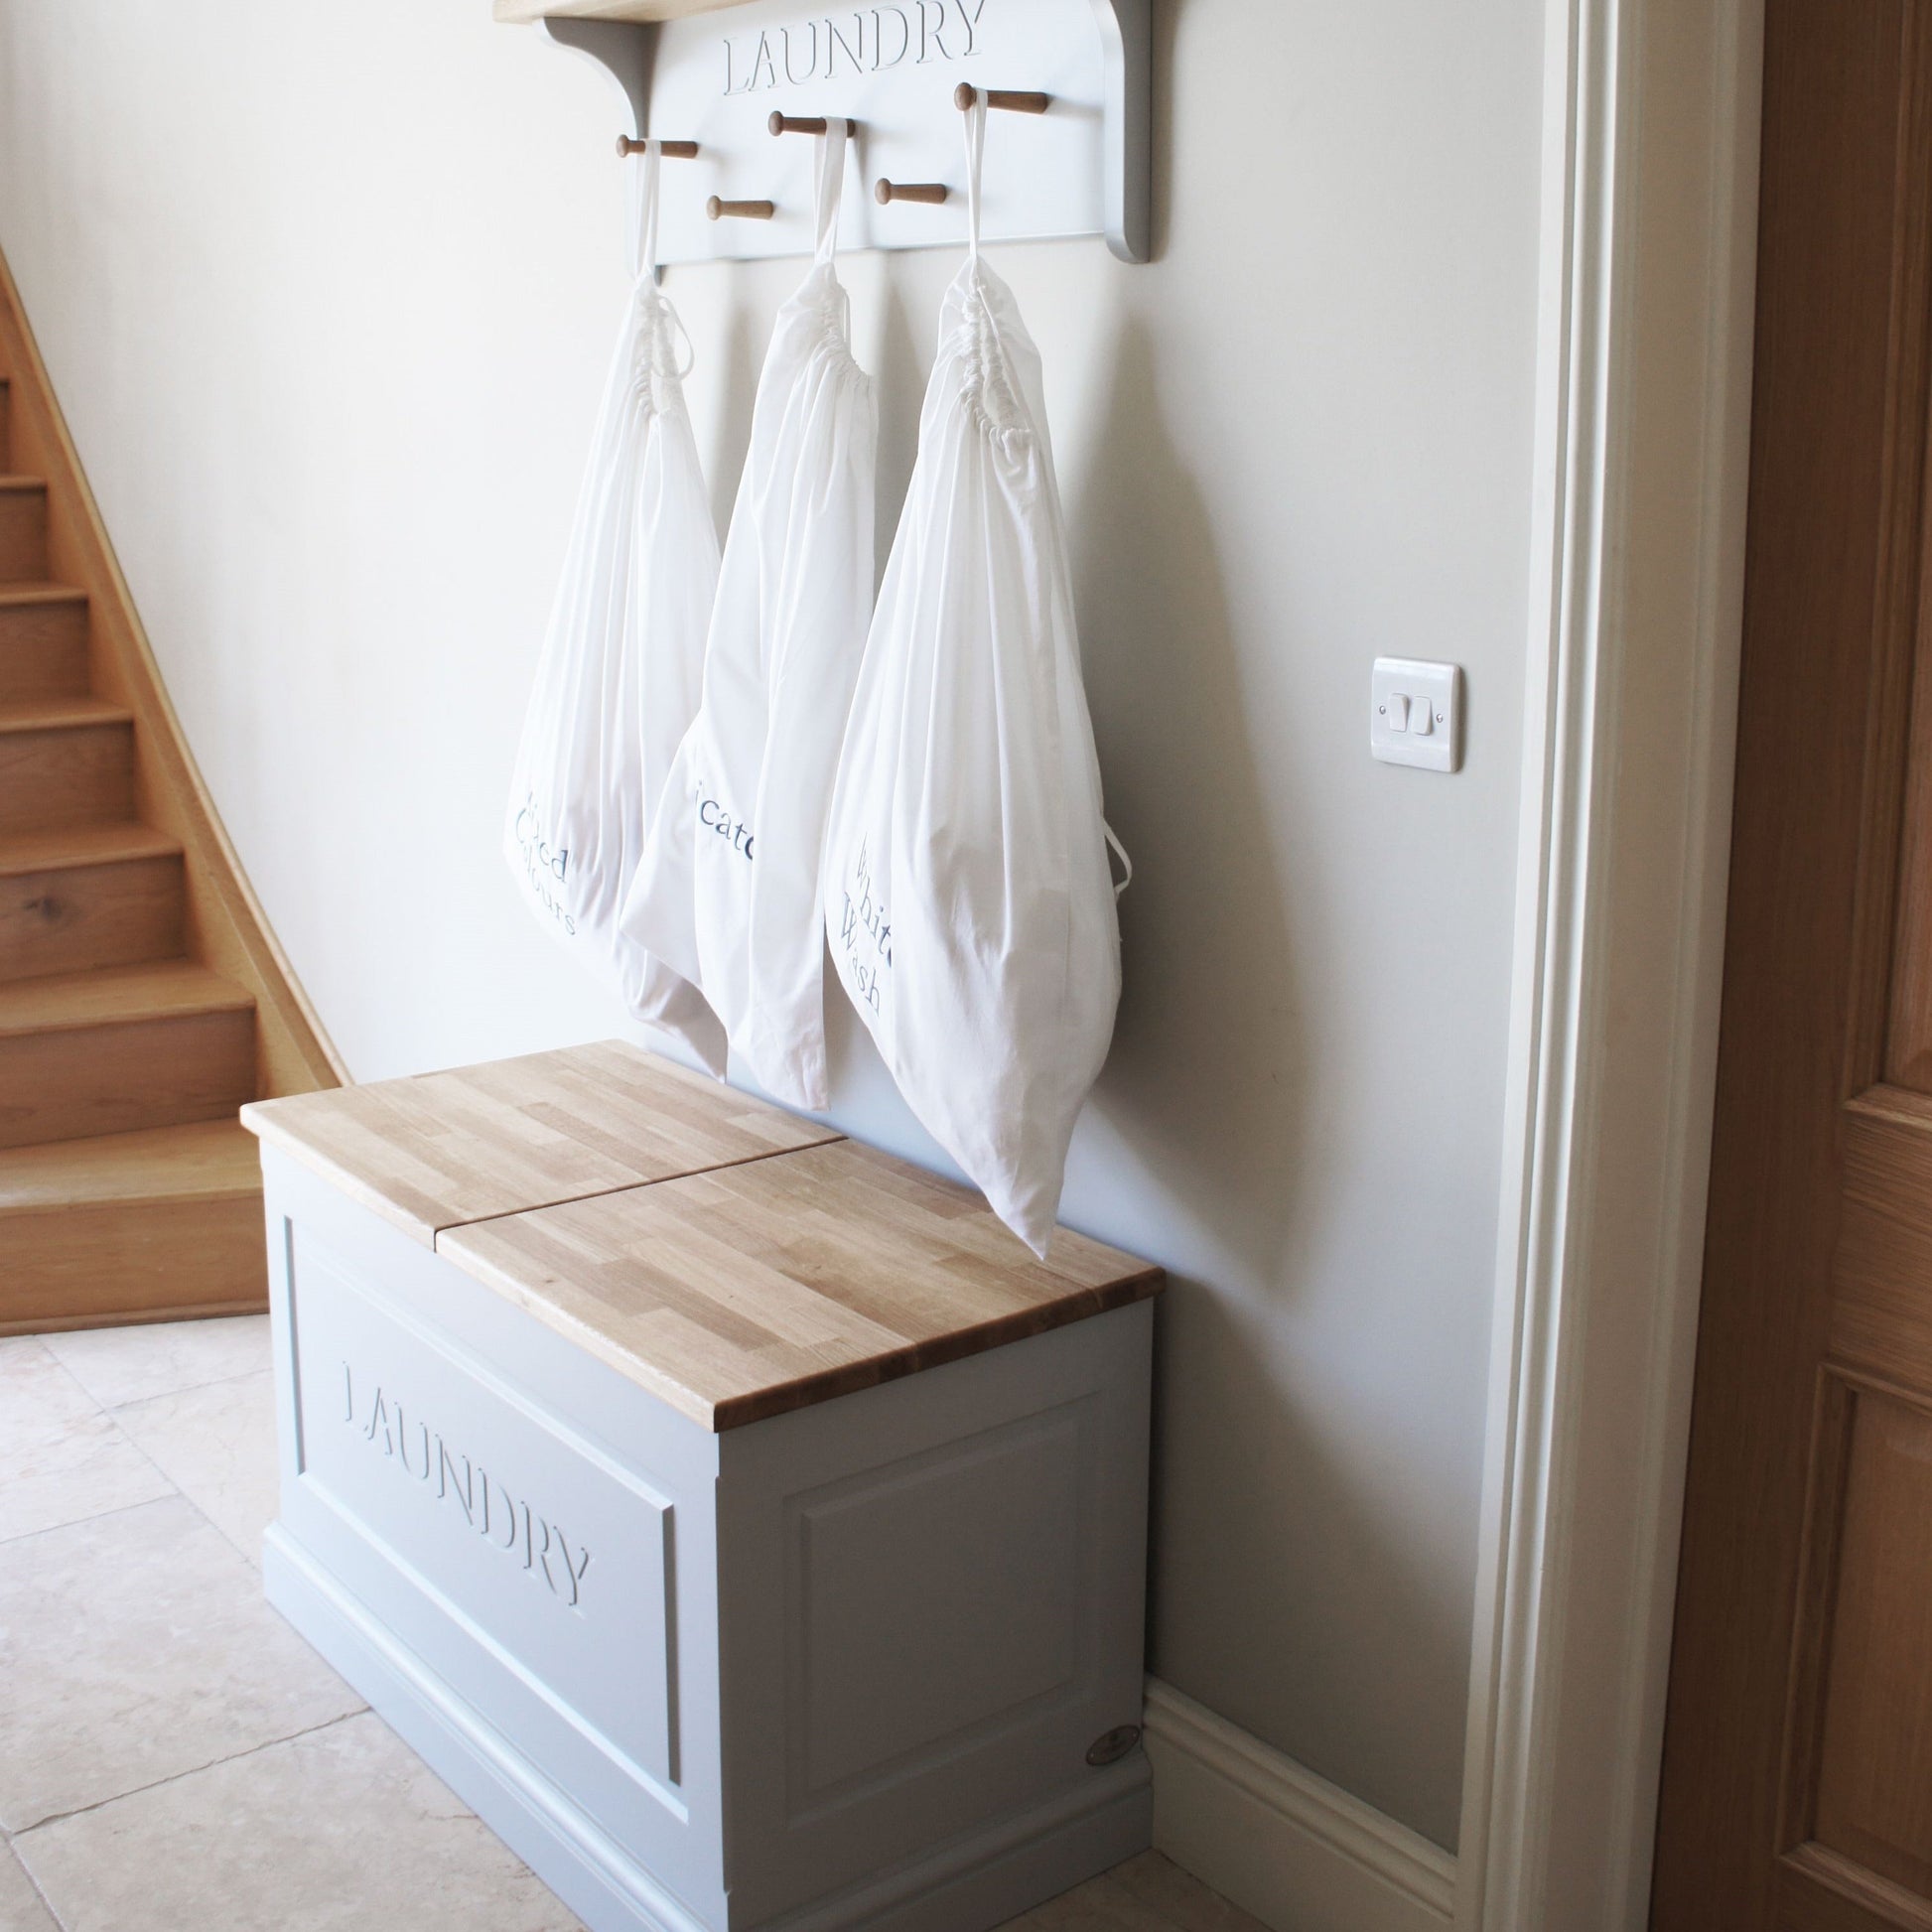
(753, 1290)
(441, 1150)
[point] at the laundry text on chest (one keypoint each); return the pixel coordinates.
(487, 1504)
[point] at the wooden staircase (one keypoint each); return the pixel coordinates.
(142, 999)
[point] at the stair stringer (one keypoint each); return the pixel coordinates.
(227, 928)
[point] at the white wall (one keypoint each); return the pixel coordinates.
(328, 291)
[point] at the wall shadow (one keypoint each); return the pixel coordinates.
(1208, 1047)
(899, 382)
(1163, 29)
(1283, 1593)
(1278, 1573)
(747, 333)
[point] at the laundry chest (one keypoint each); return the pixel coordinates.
(739, 1519)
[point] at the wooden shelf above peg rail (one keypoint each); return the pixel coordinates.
(1067, 155)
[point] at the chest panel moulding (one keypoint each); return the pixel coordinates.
(715, 75)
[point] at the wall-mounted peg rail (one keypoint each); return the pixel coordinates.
(670, 150)
(932, 193)
(806, 124)
(1005, 99)
(1069, 156)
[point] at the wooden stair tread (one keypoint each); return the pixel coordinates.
(56, 714)
(81, 845)
(169, 989)
(129, 1192)
(216, 1159)
(15, 596)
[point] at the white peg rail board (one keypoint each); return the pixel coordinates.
(1080, 169)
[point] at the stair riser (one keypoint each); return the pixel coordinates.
(69, 776)
(43, 651)
(120, 1077)
(93, 1264)
(23, 535)
(78, 918)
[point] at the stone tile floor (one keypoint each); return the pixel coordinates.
(173, 1758)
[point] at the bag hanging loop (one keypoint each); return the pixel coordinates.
(653, 153)
(975, 160)
(829, 188)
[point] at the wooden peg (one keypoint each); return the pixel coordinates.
(932, 193)
(672, 150)
(805, 124)
(966, 93)
(739, 211)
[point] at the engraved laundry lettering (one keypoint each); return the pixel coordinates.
(853, 50)
(870, 40)
(402, 1445)
(811, 66)
(465, 1497)
(899, 19)
(487, 1507)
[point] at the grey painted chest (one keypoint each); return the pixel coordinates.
(741, 1520)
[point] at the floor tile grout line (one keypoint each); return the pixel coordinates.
(193, 1771)
(34, 1886)
(188, 1388)
(101, 1515)
(128, 1436)
(185, 1388)
(100, 1408)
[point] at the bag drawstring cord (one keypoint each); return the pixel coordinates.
(647, 257)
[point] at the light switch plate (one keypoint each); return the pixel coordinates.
(1416, 714)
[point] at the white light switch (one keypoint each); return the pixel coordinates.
(1416, 714)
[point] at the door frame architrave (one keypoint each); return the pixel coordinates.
(1641, 474)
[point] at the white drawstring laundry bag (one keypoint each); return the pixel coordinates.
(968, 898)
(619, 678)
(728, 889)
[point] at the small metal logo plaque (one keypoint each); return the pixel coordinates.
(1112, 1745)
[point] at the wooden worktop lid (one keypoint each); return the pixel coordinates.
(443, 1149)
(744, 1293)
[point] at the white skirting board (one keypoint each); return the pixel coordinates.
(1297, 1852)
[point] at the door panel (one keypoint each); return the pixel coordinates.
(1797, 1783)
(1874, 1779)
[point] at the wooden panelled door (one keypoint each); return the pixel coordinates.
(1797, 1785)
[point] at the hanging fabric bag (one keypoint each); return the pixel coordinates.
(619, 678)
(729, 889)
(967, 897)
